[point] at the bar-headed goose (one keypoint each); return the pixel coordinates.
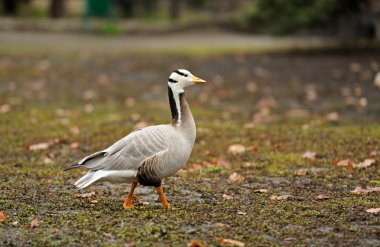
(148, 155)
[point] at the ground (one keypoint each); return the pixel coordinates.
(277, 106)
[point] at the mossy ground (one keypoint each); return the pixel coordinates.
(47, 96)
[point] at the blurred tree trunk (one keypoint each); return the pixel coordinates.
(127, 8)
(57, 8)
(150, 6)
(175, 9)
(10, 7)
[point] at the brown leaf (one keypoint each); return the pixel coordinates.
(310, 155)
(221, 225)
(34, 223)
(45, 145)
(227, 197)
(366, 163)
(373, 210)
(347, 162)
(235, 177)
(261, 191)
(94, 201)
(75, 145)
(195, 243)
(374, 153)
(360, 190)
(75, 130)
(281, 198)
(86, 195)
(322, 197)
(231, 242)
(197, 166)
(301, 172)
(2, 216)
(236, 149)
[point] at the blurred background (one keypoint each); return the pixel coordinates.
(355, 19)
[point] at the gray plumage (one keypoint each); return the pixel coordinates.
(150, 154)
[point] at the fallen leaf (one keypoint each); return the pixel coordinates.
(231, 242)
(235, 177)
(197, 166)
(347, 162)
(94, 201)
(14, 223)
(195, 244)
(373, 210)
(301, 172)
(241, 213)
(5, 108)
(261, 191)
(236, 149)
(48, 161)
(86, 195)
(322, 197)
(310, 155)
(75, 130)
(359, 190)
(281, 198)
(366, 163)
(2, 216)
(221, 225)
(373, 153)
(75, 145)
(34, 223)
(45, 145)
(332, 117)
(227, 197)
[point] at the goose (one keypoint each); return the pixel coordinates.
(148, 155)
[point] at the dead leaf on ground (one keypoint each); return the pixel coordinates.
(373, 153)
(241, 213)
(281, 198)
(373, 210)
(231, 242)
(74, 145)
(75, 130)
(359, 190)
(236, 149)
(227, 197)
(86, 195)
(235, 177)
(301, 172)
(310, 155)
(34, 223)
(261, 191)
(45, 145)
(2, 216)
(221, 225)
(366, 163)
(348, 163)
(195, 244)
(322, 197)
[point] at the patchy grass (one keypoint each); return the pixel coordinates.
(52, 101)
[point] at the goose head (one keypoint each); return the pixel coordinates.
(182, 78)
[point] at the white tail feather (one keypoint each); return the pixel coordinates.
(111, 176)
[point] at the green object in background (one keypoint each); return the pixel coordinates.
(98, 8)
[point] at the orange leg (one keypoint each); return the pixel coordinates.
(163, 198)
(128, 201)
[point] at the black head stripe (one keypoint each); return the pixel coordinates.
(180, 73)
(172, 80)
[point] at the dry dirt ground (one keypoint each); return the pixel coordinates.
(57, 107)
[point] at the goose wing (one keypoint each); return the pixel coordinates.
(129, 152)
